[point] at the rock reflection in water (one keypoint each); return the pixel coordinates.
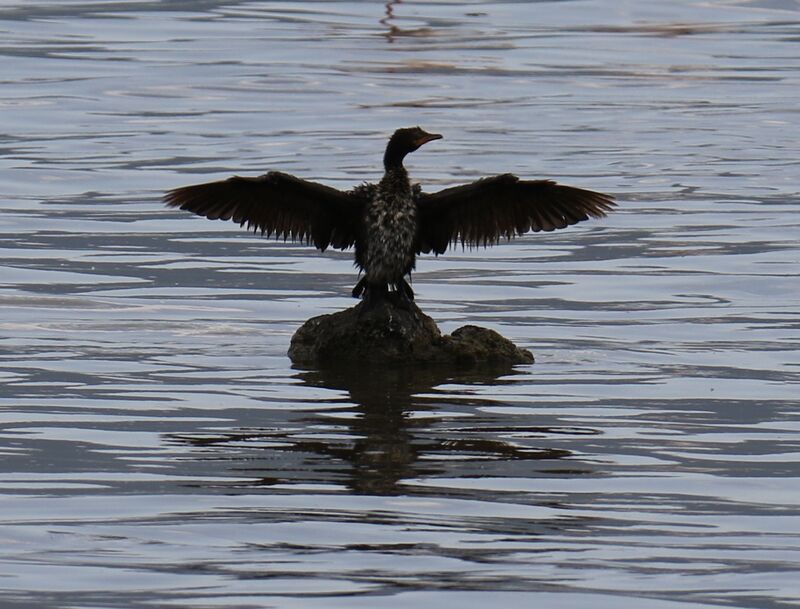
(391, 434)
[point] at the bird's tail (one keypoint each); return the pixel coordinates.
(359, 289)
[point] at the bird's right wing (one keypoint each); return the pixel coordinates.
(277, 204)
(482, 212)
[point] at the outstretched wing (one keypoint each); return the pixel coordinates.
(276, 204)
(484, 211)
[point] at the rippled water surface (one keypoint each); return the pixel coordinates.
(158, 448)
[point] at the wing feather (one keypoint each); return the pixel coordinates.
(277, 204)
(482, 212)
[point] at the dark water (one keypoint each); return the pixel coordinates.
(158, 449)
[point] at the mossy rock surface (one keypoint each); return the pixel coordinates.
(389, 333)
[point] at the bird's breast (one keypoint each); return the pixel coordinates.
(391, 227)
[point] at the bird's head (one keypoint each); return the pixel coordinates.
(404, 141)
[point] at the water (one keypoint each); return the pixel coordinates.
(158, 449)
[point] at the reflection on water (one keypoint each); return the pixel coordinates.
(158, 450)
(385, 437)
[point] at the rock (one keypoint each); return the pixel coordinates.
(389, 333)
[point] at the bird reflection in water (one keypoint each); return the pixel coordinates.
(393, 30)
(392, 429)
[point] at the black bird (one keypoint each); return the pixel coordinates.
(392, 221)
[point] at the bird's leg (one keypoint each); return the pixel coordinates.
(405, 295)
(374, 295)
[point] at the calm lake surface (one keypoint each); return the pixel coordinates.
(159, 449)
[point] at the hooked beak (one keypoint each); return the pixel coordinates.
(428, 137)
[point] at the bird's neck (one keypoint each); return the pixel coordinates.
(396, 179)
(393, 157)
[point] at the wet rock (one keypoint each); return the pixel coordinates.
(389, 333)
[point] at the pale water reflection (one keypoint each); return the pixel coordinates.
(158, 449)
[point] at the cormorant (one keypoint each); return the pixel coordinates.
(392, 221)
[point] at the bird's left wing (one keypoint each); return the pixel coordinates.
(277, 204)
(482, 212)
